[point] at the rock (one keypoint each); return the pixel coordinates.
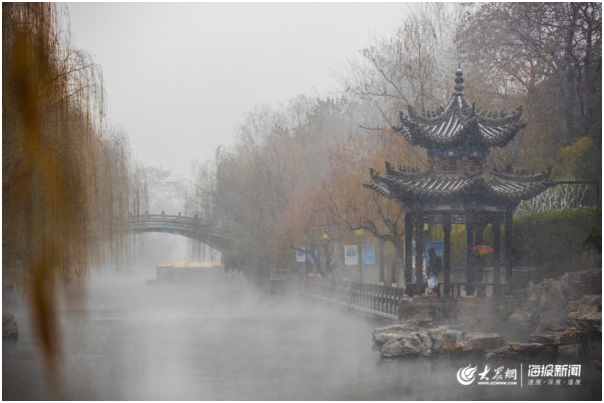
(383, 335)
(397, 328)
(570, 352)
(502, 353)
(551, 338)
(407, 345)
(553, 320)
(573, 336)
(392, 349)
(579, 283)
(480, 342)
(450, 339)
(584, 305)
(549, 296)
(436, 335)
(386, 337)
(526, 347)
(592, 322)
(10, 331)
(520, 318)
(533, 350)
(425, 340)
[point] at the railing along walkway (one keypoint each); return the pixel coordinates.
(376, 300)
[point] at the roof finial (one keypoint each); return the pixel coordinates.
(459, 80)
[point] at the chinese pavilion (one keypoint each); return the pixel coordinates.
(459, 187)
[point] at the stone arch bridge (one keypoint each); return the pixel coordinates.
(195, 228)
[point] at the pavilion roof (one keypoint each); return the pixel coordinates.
(495, 188)
(459, 122)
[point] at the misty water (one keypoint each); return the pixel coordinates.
(220, 339)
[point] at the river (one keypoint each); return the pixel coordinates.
(220, 339)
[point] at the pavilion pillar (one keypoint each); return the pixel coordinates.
(479, 261)
(419, 255)
(496, 229)
(508, 252)
(408, 269)
(447, 254)
(470, 279)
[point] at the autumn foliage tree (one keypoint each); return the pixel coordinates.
(547, 56)
(294, 178)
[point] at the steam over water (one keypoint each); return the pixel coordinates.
(222, 340)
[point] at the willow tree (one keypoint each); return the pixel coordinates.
(64, 179)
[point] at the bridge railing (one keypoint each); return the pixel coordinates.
(176, 221)
(373, 299)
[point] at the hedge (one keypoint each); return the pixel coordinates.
(555, 238)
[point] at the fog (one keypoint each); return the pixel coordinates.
(198, 68)
(219, 338)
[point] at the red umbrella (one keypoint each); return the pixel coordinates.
(482, 249)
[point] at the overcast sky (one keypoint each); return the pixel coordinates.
(180, 77)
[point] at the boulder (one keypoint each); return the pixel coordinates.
(397, 328)
(437, 334)
(570, 352)
(480, 342)
(583, 306)
(520, 318)
(579, 283)
(533, 350)
(551, 338)
(451, 338)
(573, 336)
(550, 300)
(502, 353)
(425, 340)
(383, 335)
(591, 323)
(526, 348)
(548, 294)
(392, 348)
(408, 345)
(10, 331)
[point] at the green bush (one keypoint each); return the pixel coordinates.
(553, 240)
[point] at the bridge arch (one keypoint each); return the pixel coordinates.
(200, 230)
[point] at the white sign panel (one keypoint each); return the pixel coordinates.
(351, 255)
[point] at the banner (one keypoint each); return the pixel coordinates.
(413, 253)
(351, 255)
(300, 255)
(438, 248)
(368, 254)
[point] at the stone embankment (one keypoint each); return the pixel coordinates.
(556, 319)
